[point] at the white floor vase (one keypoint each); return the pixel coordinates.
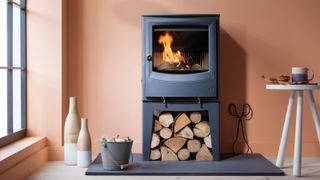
(71, 133)
(84, 158)
(84, 145)
(70, 157)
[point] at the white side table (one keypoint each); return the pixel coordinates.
(298, 132)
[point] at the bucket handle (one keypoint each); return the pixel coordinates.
(121, 166)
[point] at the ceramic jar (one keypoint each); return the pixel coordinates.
(71, 133)
(84, 145)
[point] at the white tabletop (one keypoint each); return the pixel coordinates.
(292, 87)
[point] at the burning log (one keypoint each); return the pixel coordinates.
(190, 60)
(171, 60)
(196, 67)
(166, 67)
(182, 64)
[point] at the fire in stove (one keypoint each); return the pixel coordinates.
(168, 55)
(178, 58)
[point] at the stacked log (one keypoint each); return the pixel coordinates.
(165, 133)
(194, 145)
(186, 132)
(157, 126)
(155, 154)
(181, 136)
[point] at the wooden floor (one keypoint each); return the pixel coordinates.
(57, 170)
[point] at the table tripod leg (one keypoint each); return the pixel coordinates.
(285, 131)
(315, 113)
(298, 136)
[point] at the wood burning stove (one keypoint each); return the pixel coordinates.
(195, 38)
(180, 75)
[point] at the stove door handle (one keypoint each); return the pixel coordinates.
(149, 57)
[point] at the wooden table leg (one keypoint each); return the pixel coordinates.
(298, 136)
(315, 113)
(285, 131)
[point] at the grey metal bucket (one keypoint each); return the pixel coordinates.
(115, 155)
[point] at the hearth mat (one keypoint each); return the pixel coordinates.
(240, 165)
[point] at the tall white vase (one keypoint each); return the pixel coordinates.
(84, 145)
(71, 133)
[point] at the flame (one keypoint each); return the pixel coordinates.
(168, 55)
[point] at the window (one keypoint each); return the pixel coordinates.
(12, 70)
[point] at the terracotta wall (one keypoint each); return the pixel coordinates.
(257, 37)
(92, 49)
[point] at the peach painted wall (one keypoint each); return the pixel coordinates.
(257, 37)
(44, 70)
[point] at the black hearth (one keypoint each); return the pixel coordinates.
(180, 71)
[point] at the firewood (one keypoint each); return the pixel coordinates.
(183, 154)
(204, 154)
(166, 67)
(155, 141)
(181, 121)
(155, 154)
(116, 138)
(156, 113)
(121, 139)
(207, 141)
(167, 154)
(194, 145)
(195, 117)
(175, 143)
(186, 133)
(165, 133)
(157, 126)
(196, 67)
(202, 129)
(166, 119)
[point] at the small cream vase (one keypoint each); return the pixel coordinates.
(71, 133)
(84, 145)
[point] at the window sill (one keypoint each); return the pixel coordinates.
(16, 152)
